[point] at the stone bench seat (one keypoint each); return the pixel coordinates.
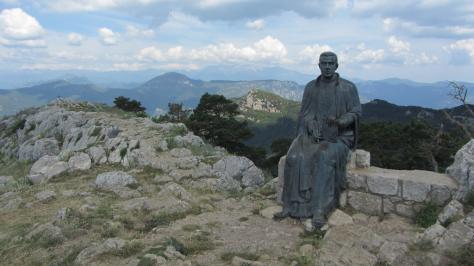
(378, 191)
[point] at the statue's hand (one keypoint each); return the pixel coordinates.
(344, 121)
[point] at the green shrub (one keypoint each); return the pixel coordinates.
(427, 215)
(96, 131)
(123, 152)
(18, 124)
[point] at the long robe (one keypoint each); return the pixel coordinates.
(315, 166)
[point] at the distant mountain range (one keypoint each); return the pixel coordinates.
(157, 92)
(279, 119)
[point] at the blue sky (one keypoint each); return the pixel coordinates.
(425, 40)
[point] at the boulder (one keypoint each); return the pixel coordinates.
(97, 154)
(452, 211)
(188, 140)
(362, 159)
(180, 152)
(33, 149)
(114, 180)
(45, 196)
(391, 251)
(177, 191)
(239, 168)
(456, 235)
(80, 161)
(48, 232)
(462, 170)
(338, 218)
(89, 254)
(46, 168)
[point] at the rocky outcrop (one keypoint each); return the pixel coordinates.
(253, 101)
(236, 171)
(114, 180)
(46, 168)
(463, 170)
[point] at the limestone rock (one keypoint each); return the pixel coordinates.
(80, 161)
(270, 211)
(45, 196)
(180, 152)
(362, 159)
(171, 253)
(338, 218)
(462, 169)
(177, 191)
(4, 180)
(187, 162)
(239, 168)
(454, 210)
(46, 168)
(390, 251)
(47, 231)
(415, 191)
(365, 202)
(457, 235)
(97, 154)
(113, 180)
(33, 149)
(188, 140)
(89, 254)
(382, 185)
(433, 233)
(238, 261)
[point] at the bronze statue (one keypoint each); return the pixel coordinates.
(315, 169)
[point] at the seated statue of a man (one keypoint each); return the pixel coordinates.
(315, 169)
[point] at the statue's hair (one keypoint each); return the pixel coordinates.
(328, 54)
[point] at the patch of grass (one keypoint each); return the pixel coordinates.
(79, 137)
(18, 185)
(177, 131)
(228, 256)
(123, 152)
(313, 238)
(469, 202)
(109, 230)
(70, 256)
(204, 150)
(144, 261)
(191, 227)
(96, 131)
(243, 219)
(18, 124)
(302, 260)
(234, 194)
(31, 128)
(266, 191)
(15, 168)
(427, 215)
(171, 143)
(166, 218)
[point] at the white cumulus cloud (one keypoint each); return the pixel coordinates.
(138, 32)
(256, 24)
(311, 53)
(75, 39)
(19, 28)
(398, 46)
(107, 36)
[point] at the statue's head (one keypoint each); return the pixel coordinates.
(328, 64)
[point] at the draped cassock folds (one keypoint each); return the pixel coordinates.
(315, 169)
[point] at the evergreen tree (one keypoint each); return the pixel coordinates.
(128, 105)
(214, 119)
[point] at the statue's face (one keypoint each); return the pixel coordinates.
(328, 66)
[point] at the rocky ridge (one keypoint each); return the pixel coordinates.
(103, 188)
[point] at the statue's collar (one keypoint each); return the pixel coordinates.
(335, 78)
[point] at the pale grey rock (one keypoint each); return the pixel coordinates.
(433, 233)
(365, 202)
(136, 204)
(98, 154)
(79, 138)
(177, 191)
(5, 180)
(180, 174)
(462, 170)
(112, 132)
(360, 218)
(391, 251)
(156, 260)
(457, 235)
(46, 168)
(270, 211)
(339, 218)
(362, 159)
(205, 184)
(80, 161)
(415, 191)
(388, 206)
(440, 194)
(202, 171)
(239, 168)
(12, 204)
(91, 253)
(382, 185)
(87, 208)
(187, 162)
(238, 261)
(162, 179)
(356, 181)
(172, 254)
(32, 150)
(45, 196)
(227, 183)
(141, 158)
(188, 140)
(61, 214)
(115, 155)
(163, 145)
(114, 180)
(404, 210)
(454, 210)
(68, 193)
(180, 152)
(469, 219)
(126, 193)
(47, 231)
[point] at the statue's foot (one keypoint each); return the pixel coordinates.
(281, 215)
(318, 221)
